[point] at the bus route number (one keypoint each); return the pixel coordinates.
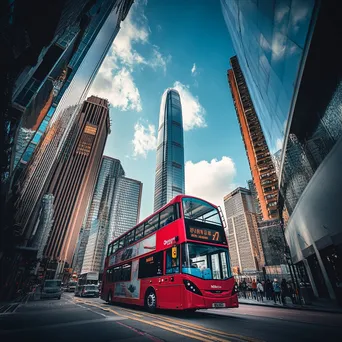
(204, 234)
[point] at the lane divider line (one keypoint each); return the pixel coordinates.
(199, 327)
(165, 326)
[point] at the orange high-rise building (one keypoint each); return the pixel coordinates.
(258, 154)
(73, 181)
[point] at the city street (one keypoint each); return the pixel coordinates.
(73, 318)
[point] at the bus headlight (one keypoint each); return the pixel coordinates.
(190, 286)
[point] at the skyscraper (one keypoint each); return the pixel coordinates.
(259, 158)
(97, 222)
(103, 22)
(33, 182)
(169, 178)
(254, 194)
(281, 47)
(125, 212)
(74, 179)
(242, 231)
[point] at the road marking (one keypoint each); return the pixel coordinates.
(164, 320)
(165, 326)
(143, 333)
(196, 326)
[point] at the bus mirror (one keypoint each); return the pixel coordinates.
(174, 252)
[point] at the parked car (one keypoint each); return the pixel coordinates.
(51, 289)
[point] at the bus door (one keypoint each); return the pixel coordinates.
(170, 285)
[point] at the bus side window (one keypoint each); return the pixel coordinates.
(130, 237)
(167, 216)
(151, 225)
(126, 272)
(115, 247)
(151, 266)
(139, 232)
(172, 260)
(177, 211)
(117, 274)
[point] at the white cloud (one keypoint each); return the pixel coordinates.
(193, 70)
(210, 180)
(159, 28)
(123, 58)
(158, 60)
(120, 89)
(193, 112)
(144, 139)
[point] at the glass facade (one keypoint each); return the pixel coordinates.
(292, 64)
(103, 19)
(126, 207)
(93, 238)
(270, 38)
(169, 178)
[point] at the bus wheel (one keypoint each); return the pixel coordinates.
(151, 300)
(109, 300)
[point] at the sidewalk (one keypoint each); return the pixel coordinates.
(11, 306)
(319, 305)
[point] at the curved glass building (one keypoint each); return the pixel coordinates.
(170, 150)
(288, 53)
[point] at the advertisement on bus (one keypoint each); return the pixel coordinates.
(129, 289)
(141, 248)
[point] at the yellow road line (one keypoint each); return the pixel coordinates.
(196, 326)
(168, 327)
(164, 320)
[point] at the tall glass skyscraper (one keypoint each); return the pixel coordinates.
(169, 179)
(288, 53)
(125, 211)
(97, 220)
(71, 84)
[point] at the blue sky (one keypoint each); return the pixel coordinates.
(186, 45)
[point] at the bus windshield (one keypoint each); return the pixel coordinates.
(205, 261)
(198, 210)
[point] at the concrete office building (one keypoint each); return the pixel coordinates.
(244, 242)
(74, 178)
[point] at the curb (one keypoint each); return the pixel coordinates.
(294, 308)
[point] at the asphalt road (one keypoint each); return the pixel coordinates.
(82, 320)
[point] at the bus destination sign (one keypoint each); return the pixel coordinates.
(206, 234)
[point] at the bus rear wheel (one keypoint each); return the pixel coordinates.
(151, 301)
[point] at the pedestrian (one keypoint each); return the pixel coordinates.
(269, 290)
(260, 290)
(284, 291)
(291, 292)
(244, 288)
(254, 289)
(276, 290)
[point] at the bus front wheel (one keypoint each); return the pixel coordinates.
(151, 300)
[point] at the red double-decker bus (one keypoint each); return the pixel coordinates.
(177, 259)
